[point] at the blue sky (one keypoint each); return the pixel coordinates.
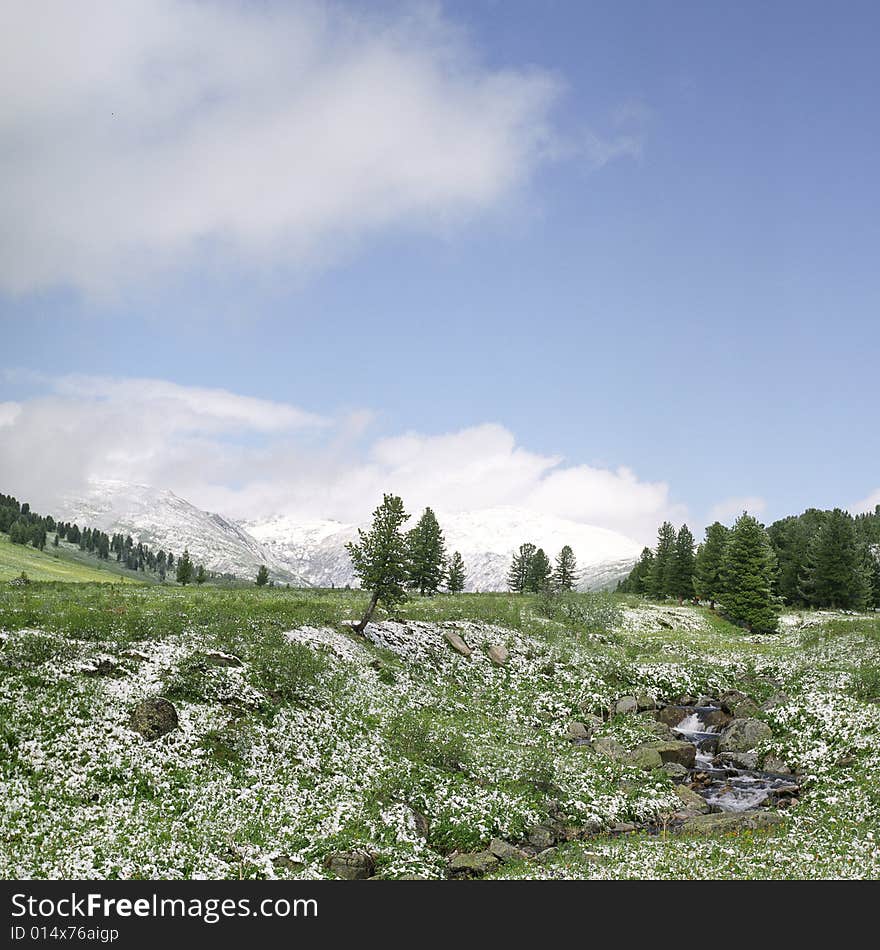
(680, 276)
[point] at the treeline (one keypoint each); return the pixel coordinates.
(27, 527)
(823, 559)
(531, 571)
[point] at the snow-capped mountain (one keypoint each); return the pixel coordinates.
(312, 553)
(486, 539)
(161, 519)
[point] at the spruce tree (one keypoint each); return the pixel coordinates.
(184, 568)
(748, 572)
(836, 569)
(456, 577)
(709, 564)
(639, 578)
(380, 558)
(540, 572)
(660, 584)
(201, 576)
(681, 574)
(262, 576)
(518, 575)
(427, 554)
(565, 574)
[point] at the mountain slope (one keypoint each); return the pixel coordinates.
(485, 538)
(53, 564)
(161, 519)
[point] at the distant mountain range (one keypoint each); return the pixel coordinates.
(312, 553)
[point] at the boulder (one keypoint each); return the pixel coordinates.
(773, 764)
(578, 730)
(541, 837)
(730, 822)
(625, 706)
(678, 773)
(505, 851)
(473, 864)
(684, 753)
(737, 760)
(153, 718)
(776, 700)
(645, 701)
(498, 654)
(350, 865)
(608, 745)
(456, 642)
(691, 800)
(644, 757)
(738, 703)
(673, 715)
(661, 731)
(222, 659)
(742, 735)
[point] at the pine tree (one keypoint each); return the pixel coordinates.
(709, 564)
(456, 577)
(540, 571)
(639, 578)
(184, 568)
(660, 584)
(426, 550)
(681, 574)
(262, 576)
(201, 576)
(874, 574)
(380, 558)
(518, 575)
(565, 574)
(748, 572)
(836, 569)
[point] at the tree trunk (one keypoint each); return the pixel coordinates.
(366, 619)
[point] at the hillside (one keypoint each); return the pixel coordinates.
(56, 564)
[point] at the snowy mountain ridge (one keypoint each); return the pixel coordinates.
(312, 552)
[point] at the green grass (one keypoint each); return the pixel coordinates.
(52, 564)
(292, 748)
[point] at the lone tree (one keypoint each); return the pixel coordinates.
(456, 575)
(184, 568)
(380, 558)
(518, 575)
(748, 572)
(427, 554)
(709, 564)
(565, 570)
(538, 579)
(262, 576)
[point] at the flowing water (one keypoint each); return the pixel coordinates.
(725, 786)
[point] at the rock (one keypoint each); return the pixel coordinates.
(730, 822)
(622, 828)
(704, 700)
(456, 642)
(505, 851)
(153, 718)
(776, 700)
(351, 865)
(737, 760)
(644, 757)
(285, 863)
(772, 764)
(661, 731)
(738, 703)
(626, 705)
(103, 667)
(498, 654)
(645, 701)
(691, 800)
(678, 773)
(473, 864)
(578, 730)
(541, 837)
(607, 745)
(673, 715)
(546, 855)
(684, 753)
(742, 735)
(421, 823)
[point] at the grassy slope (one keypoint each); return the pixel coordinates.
(300, 752)
(52, 564)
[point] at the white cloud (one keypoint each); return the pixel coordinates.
(138, 135)
(731, 508)
(9, 412)
(867, 504)
(247, 457)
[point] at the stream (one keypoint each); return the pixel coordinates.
(725, 786)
